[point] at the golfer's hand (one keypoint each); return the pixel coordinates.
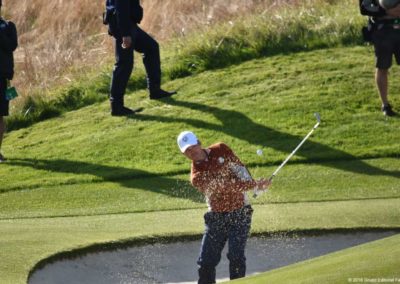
(263, 184)
(126, 42)
(394, 12)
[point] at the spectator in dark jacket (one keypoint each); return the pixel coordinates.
(384, 32)
(123, 26)
(8, 43)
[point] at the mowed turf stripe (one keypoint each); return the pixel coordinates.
(375, 165)
(295, 183)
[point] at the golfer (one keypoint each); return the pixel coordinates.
(219, 174)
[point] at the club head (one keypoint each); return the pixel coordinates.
(318, 117)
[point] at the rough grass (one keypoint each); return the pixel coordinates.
(289, 28)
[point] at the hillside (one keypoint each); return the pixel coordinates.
(63, 67)
(87, 167)
(266, 104)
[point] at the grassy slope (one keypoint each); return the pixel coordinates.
(269, 105)
(88, 163)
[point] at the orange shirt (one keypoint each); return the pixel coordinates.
(223, 179)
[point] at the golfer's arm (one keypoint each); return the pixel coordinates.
(242, 185)
(198, 181)
(245, 185)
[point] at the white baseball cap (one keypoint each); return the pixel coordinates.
(186, 139)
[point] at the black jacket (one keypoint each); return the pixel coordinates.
(371, 8)
(128, 12)
(8, 43)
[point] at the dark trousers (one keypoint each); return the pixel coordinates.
(142, 43)
(233, 227)
(4, 103)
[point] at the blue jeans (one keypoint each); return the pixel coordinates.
(233, 227)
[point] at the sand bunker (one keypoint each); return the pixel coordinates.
(176, 262)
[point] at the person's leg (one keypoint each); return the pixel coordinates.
(381, 79)
(122, 71)
(211, 247)
(384, 46)
(2, 131)
(150, 49)
(237, 238)
(4, 106)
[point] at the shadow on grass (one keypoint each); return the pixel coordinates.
(238, 125)
(128, 178)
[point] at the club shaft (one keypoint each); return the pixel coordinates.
(293, 152)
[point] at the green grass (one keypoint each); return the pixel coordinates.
(296, 183)
(375, 261)
(86, 177)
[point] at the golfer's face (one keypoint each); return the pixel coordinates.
(194, 152)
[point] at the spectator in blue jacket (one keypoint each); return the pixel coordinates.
(123, 26)
(8, 43)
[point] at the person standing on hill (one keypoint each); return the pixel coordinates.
(123, 17)
(220, 175)
(384, 32)
(8, 43)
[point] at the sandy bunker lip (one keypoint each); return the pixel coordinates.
(176, 262)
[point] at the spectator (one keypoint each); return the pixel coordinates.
(8, 43)
(384, 32)
(123, 17)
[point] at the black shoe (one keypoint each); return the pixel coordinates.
(160, 94)
(124, 111)
(2, 158)
(387, 110)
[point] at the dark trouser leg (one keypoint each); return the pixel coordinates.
(150, 49)
(121, 73)
(211, 247)
(2, 129)
(4, 103)
(239, 229)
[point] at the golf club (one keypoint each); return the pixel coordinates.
(318, 117)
